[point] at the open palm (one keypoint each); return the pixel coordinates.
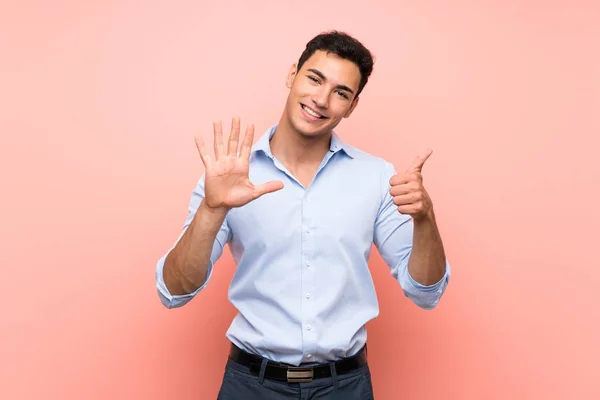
(227, 184)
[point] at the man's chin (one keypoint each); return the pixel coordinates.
(313, 133)
(311, 130)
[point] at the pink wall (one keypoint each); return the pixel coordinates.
(99, 104)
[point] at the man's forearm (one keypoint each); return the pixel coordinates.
(186, 266)
(427, 263)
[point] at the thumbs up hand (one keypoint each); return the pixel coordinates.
(408, 192)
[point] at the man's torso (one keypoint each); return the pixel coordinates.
(302, 284)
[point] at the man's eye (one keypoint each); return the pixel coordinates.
(342, 94)
(312, 78)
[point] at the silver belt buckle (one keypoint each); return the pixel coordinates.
(299, 374)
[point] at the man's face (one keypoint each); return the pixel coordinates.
(321, 93)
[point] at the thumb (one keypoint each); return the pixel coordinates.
(268, 187)
(417, 164)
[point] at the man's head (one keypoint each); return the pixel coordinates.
(330, 74)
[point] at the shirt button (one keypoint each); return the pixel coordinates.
(308, 327)
(308, 295)
(308, 264)
(307, 230)
(309, 356)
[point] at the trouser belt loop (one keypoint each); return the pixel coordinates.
(263, 368)
(334, 376)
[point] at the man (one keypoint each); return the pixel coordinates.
(300, 211)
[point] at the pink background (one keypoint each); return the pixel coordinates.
(99, 104)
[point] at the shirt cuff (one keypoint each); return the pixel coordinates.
(169, 300)
(433, 287)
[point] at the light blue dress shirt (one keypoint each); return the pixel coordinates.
(302, 285)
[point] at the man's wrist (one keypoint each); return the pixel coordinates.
(426, 219)
(215, 213)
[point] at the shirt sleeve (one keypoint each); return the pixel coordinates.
(393, 237)
(223, 236)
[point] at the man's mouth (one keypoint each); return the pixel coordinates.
(312, 112)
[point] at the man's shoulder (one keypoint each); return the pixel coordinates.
(369, 160)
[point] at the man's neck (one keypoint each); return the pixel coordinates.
(296, 150)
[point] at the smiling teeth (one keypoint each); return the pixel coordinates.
(311, 112)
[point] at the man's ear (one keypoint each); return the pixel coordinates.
(354, 104)
(291, 76)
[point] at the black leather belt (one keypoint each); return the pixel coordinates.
(289, 373)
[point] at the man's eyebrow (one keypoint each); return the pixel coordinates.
(320, 75)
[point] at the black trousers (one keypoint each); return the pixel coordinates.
(239, 384)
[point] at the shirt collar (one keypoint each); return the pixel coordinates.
(263, 144)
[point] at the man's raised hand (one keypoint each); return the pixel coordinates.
(408, 192)
(227, 184)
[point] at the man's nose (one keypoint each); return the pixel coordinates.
(321, 99)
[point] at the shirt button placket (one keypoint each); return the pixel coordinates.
(307, 279)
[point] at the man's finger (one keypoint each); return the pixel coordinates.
(204, 156)
(268, 187)
(234, 137)
(417, 164)
(247, 144)
(410, 209)
(407, 199)
(401, 189)
(408, 177)
(218, 129)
